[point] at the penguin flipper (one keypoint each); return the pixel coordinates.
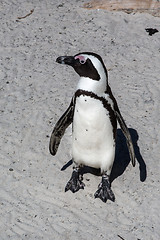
(127, 136)
(60, 127)
(123, 127)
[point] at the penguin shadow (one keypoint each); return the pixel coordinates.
(122, 158)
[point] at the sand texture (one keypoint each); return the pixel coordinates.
(34, 93)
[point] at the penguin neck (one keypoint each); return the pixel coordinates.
(88, 84)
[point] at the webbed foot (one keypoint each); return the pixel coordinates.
(75, 183)
(104, 191)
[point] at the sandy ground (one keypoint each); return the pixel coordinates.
(35, 91)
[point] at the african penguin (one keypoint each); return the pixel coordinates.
(93, 112)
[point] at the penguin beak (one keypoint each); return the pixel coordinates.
(69, 60)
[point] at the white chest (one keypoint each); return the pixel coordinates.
(90, 115)
(93, 140)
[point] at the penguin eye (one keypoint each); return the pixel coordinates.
(82, 61)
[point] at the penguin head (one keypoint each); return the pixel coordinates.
(86, 64)
(90, 68)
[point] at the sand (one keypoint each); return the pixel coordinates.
(35, 91)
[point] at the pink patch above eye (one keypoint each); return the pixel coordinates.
(81, 58)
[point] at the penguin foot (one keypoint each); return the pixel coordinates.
(104, 191)
(75, 183)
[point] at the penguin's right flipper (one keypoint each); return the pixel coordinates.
(127, 136)
(60, 127)
(123, 127)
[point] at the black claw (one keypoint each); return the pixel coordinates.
(104, 191)
(75, 183)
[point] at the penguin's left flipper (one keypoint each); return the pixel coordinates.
(123, 127)
(60, 127)
(127, 136)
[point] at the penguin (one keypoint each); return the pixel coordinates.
(94, 113)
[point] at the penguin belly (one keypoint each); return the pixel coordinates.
(93, 142)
